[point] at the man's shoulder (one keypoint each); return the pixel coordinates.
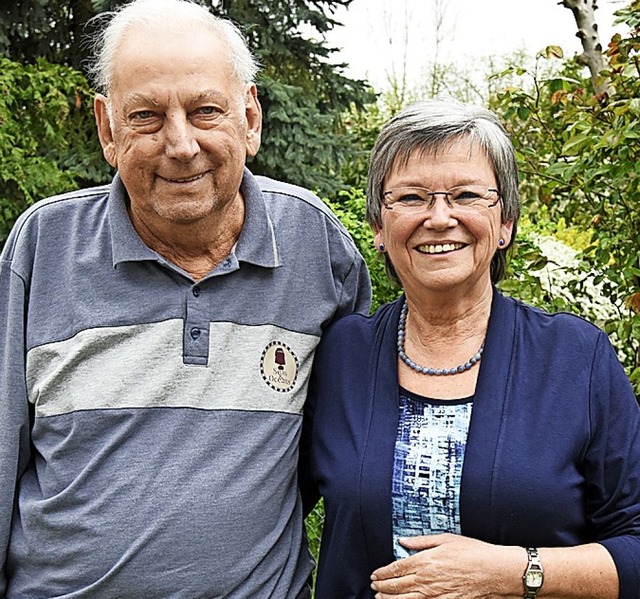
(54, 214)
(294, 193)
(77, 194)
(71, 201)
(268, 185)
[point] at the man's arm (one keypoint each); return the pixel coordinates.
(356, 290)
(14, 410)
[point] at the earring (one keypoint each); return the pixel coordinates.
(382, 248)
(501, 243)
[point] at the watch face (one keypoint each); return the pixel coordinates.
(533, 579)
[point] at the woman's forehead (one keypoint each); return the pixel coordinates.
(440, 152)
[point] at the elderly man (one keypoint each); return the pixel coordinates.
(157, 336)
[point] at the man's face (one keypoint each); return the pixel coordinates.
(178, 126)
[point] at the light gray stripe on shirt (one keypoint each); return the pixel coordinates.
(141, 366)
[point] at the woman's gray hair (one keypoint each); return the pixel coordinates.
(430, 126)
(114, 25)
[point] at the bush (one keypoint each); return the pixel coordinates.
(48, 142)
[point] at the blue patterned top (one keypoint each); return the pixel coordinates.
(427, 466)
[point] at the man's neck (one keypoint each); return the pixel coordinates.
(195, 247)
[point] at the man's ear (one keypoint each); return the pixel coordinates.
(105, 132)
(253, 114)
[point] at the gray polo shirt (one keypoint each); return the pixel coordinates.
(150, 423)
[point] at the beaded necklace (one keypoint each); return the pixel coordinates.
(402, 324)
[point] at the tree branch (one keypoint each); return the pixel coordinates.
(592, 56)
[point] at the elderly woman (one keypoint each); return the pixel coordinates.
(465, 444)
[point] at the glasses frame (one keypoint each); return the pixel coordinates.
(447, 198)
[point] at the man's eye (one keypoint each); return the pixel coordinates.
(209, 110)
(143, 115)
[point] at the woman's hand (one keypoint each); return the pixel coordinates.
(451, 566)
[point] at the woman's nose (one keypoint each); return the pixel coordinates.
(438, 215)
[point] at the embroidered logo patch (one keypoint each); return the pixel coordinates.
(279, 366)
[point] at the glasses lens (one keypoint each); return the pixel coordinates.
(416, 199)
(469, 195)
(407, 198)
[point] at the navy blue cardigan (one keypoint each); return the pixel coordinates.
(553, 452)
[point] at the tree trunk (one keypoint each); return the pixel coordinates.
(592, 56)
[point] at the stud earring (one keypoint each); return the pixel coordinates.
(501, 243)
(382, 248)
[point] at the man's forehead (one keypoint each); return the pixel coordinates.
(135, 98)
(142, 42)
(159, 63)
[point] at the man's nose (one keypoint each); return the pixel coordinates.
(180, 139)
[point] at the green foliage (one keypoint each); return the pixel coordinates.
(47, 139)
(50, 29)
(304, 97)
(350, 209)
(364, 127)
(579, 154)
(300, 143)
(313, 525)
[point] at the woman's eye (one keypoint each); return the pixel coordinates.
(466, 196)
(411, 199)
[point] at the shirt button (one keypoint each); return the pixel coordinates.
(196, 291)
(195, 333)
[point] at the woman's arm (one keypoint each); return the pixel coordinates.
(452, 566)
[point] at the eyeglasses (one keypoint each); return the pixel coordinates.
(409, 200)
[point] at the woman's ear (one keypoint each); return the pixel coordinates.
(506, 232)
(378, 239)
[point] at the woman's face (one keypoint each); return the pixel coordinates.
(443, 248)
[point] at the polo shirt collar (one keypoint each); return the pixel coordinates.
(257, 243)
(126, 244)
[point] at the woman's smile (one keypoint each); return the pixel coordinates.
(439, 248)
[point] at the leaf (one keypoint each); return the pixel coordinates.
(576, 144)
(553, 52)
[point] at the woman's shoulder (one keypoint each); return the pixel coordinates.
(563, 326)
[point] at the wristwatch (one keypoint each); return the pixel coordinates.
(534, 574)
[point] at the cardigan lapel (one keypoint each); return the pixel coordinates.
(477, 516)
(377, 463)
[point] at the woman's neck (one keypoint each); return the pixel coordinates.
(442, 318)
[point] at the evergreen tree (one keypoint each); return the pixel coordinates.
(304, 96)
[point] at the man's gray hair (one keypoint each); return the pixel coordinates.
(430, 126)
(168, 14)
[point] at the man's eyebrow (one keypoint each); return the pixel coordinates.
(137, 99)
(211, 95)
